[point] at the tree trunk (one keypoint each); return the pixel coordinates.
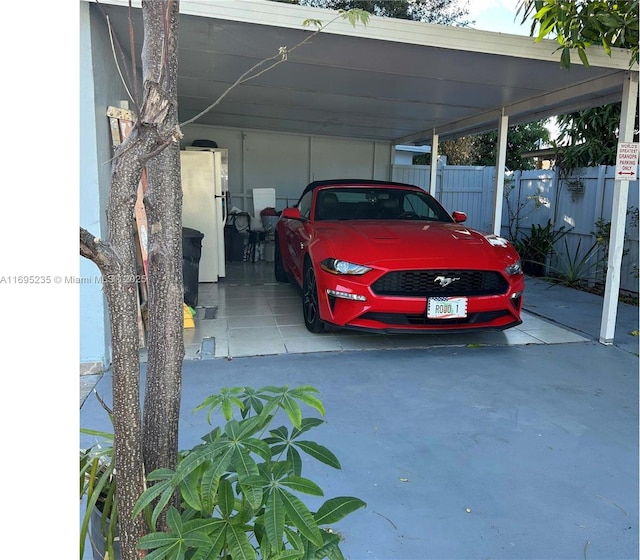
(152, 143)
(163, 204)
(116, 260)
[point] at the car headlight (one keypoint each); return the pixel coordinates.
(515, 268)
(336, 266)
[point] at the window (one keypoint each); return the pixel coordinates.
(304, 205)
(424, 206)
(357, 203)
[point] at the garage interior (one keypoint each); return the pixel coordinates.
(391, 82)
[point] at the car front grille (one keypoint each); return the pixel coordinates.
(429, 283)
(399, 319)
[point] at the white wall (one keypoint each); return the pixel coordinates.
(93, 323)
(100, 87)
(288, 162)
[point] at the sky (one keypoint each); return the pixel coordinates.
(497, 16)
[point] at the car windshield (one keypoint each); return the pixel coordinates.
(377, 204)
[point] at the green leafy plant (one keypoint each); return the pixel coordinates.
(578, 268)
(98, 485)
(536, 245)
(579, 24)
(239, 489)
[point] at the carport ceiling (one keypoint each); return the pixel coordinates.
(392, 80)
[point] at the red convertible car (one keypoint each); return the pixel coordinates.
(387, 257)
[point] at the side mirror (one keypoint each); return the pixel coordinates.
(459, 217)
(291, 213)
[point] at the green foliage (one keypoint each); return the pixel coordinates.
(98, 484)
(579, 24)
(444, 12)
(603, 235)
(239, 488)
(353, 16)
(633, 214)
(590, 137)
(536, 245)
(579, 268)
(481, 149)
(583, 269)
(461, 151)
(520, 138)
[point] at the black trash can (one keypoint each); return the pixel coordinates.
(236, 236)
(191, 251)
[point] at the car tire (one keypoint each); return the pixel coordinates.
(278, 266)
(310, 307)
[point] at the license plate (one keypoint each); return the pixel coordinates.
(447, 308)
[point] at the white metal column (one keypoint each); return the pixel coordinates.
(618, 215)
(434, 164)
(501, 158)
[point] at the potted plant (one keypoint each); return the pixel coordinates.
(238, 491)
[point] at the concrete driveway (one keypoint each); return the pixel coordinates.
(477, 452)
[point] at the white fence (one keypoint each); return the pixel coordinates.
(578, 203)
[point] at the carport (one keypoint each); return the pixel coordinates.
(504, 452)
(396, 81)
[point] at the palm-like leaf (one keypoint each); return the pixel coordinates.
(239, 544)
(303, 485)
(335, 509)
(236, 485)
(319, 452)
(274, 519)
(225, 400)
(301, 517)
(226, 498)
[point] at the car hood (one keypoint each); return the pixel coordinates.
(416, 243)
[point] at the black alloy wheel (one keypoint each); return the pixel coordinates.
(310, 308)
(278, 267)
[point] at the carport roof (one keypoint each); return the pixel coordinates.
(392, 80)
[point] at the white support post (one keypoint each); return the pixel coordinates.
(434, 164)
(501, 158)
(618, 215)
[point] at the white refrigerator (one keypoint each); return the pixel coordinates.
(204, 189)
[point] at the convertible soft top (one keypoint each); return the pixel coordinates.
(347, 182)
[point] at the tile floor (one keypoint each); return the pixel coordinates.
(256, 315)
